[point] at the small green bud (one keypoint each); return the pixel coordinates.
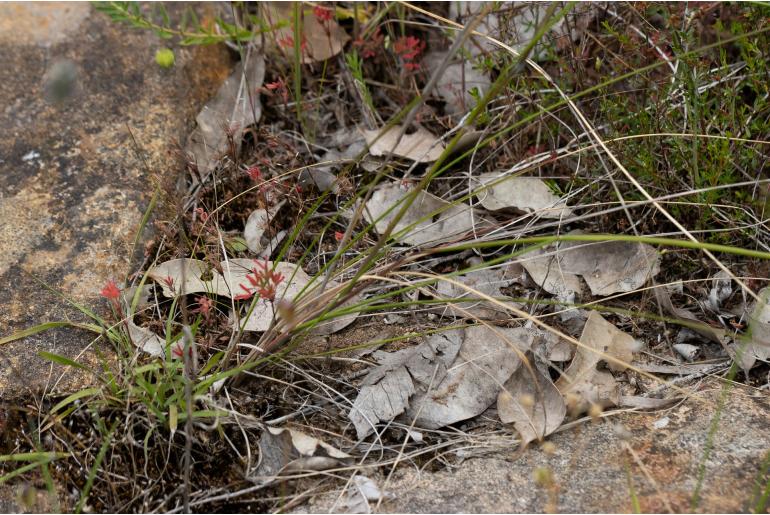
(164, 57)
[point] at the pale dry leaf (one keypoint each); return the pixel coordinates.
(607, 267)
(235, 107)
(485, 281)
(714, 334)
(456, 82)
(320, 40)
(531, 402)
(546, 271)
(432, 219)
(486, 360)
(144, 339)
(360, 491)
(285, 449)
(420, 146)
(721, 290)
(758, 347)
(517, 23)
(187, 276)
(257, 225)
(582, 378)
(387, 389)
(522, 194)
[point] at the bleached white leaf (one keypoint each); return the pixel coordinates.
(286, 449)
(235, 107)
(188, 276)
(387, 389)
(582, 378)
(360, 491)
(255, 228)
(485, 281)
(607, 267)
(721, 289)
(420, 146)
(486, 360)
(517, 22)
(144, 339)
(455, 83)
(322, 40)
(531, 402)
(522, 194)
(432, 219)
(758, 347)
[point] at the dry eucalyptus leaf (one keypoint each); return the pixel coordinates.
(758, 348)
(288, 450)
(520, 21)
(522, 194)
(486, 281)
(455, 83)
(721, 290)
(582, 378)
(531, 402)
(360, 491)
(321, 40)
(714, 334)
(235, 107)
(432, 219)
(420, 146)
(387, 389)
(144, 339)
(607, 267)
(486, 360)
(546, 271)
(257, 225)
(187, 276)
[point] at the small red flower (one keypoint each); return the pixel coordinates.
(205, 307)
(263, 280)
(279, 87)
(322, 14)
(202, 214)
(370, 47)
(339, 235)
(177, 350)
(111, 291)
(254, 172)
(408, 48)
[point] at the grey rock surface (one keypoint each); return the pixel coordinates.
(73, 187)
(590, 466)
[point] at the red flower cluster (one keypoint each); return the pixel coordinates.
(322, 14)
(254, 172)
(408, 48)
(288, 42)
(202, 214)
(279, 87)
(205, 307)
(264, 282)
(111, 291)
(370, 47)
